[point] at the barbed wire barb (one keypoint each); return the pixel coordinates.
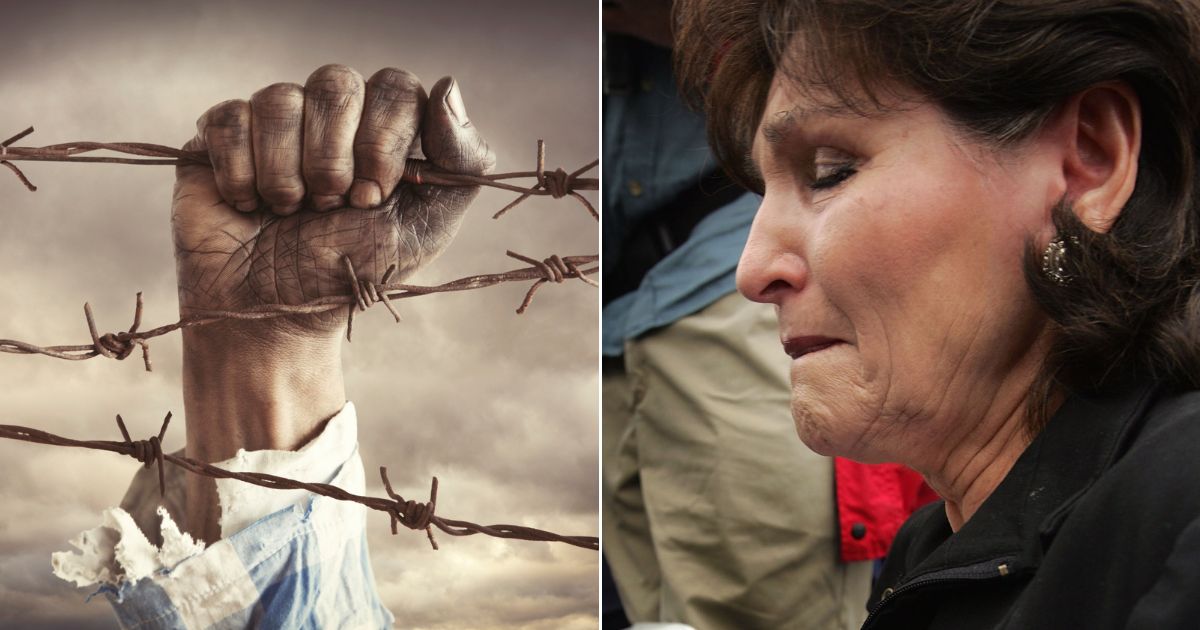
(412, 514)
(148, 451)
(120, 345)
(553, 269)
(13, 167)
(363, 292)
(557, 184)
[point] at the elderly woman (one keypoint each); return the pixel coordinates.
(979, 230)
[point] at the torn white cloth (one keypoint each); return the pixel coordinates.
(286, 559)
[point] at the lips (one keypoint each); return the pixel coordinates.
(797, 347)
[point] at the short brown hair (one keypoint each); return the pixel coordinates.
(998, 68)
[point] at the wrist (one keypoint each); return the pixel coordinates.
(255, 386)
(258, 385)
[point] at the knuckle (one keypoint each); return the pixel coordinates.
(278, 95)
(334, 78)
(233, 113)
(215, 115)
(395, 79)
(226, 126)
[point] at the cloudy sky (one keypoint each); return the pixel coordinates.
(502, 408)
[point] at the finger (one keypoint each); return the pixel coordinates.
(333, 99)
(390, 120)
(195, 182)
(225, 129)
(277, 121)
(450, 142)
(448, 139)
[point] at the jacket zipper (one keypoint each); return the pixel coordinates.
(995, 568)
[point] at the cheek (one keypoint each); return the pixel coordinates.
(919, 266)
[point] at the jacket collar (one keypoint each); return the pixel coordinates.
(1015, 524)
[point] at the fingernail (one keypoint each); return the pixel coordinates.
(365, 194)
(455, 104)
(284, 211)
(247, 206)
(327, 202)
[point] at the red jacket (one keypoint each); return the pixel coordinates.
(873, 500)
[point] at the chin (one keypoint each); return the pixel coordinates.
(813, 429)
(834, 431)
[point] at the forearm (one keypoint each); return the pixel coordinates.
(253, 388)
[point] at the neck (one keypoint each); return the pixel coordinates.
(977, 453)
(973, 470)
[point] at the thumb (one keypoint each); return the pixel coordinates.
(448, 138)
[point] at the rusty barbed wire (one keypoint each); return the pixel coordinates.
(363, 295)
(412, 514)
(417, 516)
(556, 184)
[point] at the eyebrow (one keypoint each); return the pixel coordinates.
(784, 121)
(781, 124)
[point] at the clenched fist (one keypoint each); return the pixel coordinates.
(302, 175)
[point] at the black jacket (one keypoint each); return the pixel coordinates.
(1096, 526)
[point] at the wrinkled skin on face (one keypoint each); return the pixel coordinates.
(303, 176)
(892, 248)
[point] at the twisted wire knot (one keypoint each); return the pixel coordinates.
(118, 345)
(554, 269)
(148, 451)
(558, 183)
(414, 515)
(367, 293)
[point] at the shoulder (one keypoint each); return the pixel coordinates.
(1164, 453)
(1147, 495)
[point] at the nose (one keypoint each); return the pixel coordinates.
(773, 264)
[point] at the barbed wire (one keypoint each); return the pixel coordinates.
(363, 295)
(557, 183)
(412, 514)
(415, 515)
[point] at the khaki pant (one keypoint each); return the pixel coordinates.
(715, 514)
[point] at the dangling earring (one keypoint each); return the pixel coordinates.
(1053, 259)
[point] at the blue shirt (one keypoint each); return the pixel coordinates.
(291, 560)
(655, 148)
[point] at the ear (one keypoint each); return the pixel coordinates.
(1101, 133)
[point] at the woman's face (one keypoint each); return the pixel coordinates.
(892, 247)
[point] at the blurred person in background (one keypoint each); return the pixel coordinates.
(715, 514)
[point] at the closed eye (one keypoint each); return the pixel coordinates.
(831, 177)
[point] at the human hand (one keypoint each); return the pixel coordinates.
(302, 176)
